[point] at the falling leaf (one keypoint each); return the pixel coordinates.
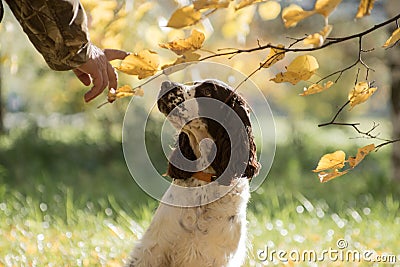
(318, 39)
(275, 55)
(292, 14)
(327, 176)
(301, 68)
(316, 88)
(269, 10)
(361, 153)
(206, 4)
(393, 39)
(325, 7)
(364, 8)
(181, 46)
(245, 3)
(184, 16)
(185, 58)
(124, 91)
(144, 64)
(333, 160)
(360, 93)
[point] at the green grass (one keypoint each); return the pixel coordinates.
(62, 206)
(61, 233)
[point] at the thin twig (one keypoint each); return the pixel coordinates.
(358, 61)
(387, 143)
(331, 122)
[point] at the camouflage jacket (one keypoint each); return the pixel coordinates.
(57, 29)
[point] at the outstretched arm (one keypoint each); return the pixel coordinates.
(58, 30)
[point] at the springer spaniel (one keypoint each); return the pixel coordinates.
(201, 220)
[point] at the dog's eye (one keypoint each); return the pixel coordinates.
(207, 92)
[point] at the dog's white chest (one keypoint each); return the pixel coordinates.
(209, 235)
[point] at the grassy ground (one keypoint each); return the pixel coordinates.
(63, 208)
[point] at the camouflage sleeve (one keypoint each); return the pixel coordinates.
(57, 29)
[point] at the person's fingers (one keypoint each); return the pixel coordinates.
(99, 71)
(112, 77)
(100, 82)
(83, 77)
(112, 54)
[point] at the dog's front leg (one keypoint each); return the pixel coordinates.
(152, 250)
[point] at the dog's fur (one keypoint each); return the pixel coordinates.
(211, 234)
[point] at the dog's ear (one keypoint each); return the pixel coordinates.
(244, 144)
(186, 150)
(253, 166)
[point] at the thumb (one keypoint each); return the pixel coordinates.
(112, 54)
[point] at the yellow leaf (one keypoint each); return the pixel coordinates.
(327, 176)
(301, 68)
(206, 4)
(245, 3)
(361, 153)
(269, 10)
(325, 7)
(364, 8)
(275, 55)
(124, 91)
(185, 58)
(292, 14)
(393, 39)
(360, 93)
(144, 64)
(318, 39)
(316, 88)
(330, 161)
(315, 39)
(181, 46)
(184, 16)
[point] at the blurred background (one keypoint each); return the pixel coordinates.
(67, 197)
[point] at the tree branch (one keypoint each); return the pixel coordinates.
(331, 41)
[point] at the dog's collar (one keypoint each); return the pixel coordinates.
(204, 176)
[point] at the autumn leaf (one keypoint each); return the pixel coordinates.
(184, 16)
(245, 3)
(318, 39)
(325, 7)
(327, 176)
(181, 46)
(364, 8)
(393, 39)
(301, 68)
(292, 14)
(360, 93)
(269, 10)
(206, 4)
(361, 154)
(124, 91)
(185, 58)
(329, 165)
(144, 64)
(316, 88)
(332, 161)
(275, 55)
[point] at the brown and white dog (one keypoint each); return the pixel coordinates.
(209, 227)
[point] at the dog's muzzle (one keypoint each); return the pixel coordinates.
(169, 91)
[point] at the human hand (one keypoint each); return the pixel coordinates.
(99, 71)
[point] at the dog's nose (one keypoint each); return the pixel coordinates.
(165, 87)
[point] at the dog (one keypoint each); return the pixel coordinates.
(201, 220)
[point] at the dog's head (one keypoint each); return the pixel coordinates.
(229, 151)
